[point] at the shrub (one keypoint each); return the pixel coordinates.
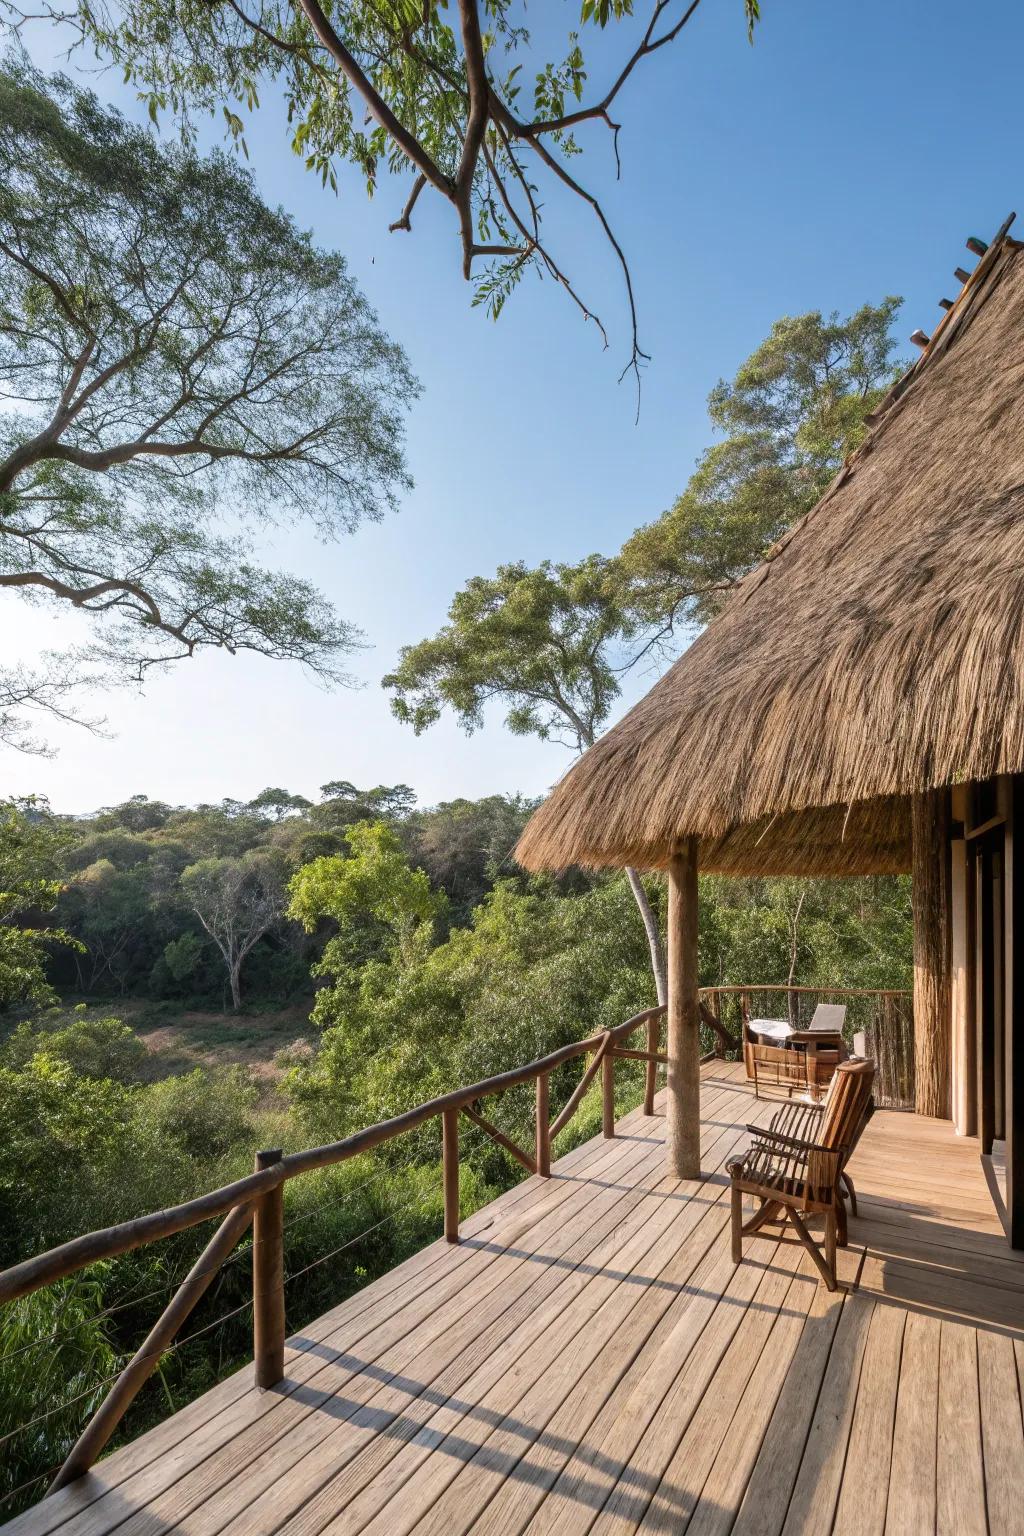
(205, 1113)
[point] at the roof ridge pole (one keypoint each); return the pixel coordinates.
(683, 1017)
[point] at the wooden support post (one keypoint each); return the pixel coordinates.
(268, 1279)
(651, 1074)
(608, 1094)
(963, 1043)
(683, 1024)
(931, 897)
(543, 1143)
(450, 1166)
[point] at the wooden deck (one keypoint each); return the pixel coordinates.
(588, 1359)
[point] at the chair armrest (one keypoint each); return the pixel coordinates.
(775, 1159)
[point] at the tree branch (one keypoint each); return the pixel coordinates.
(405, 221)
(378, 107)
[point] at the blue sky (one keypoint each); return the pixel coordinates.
(847, 155)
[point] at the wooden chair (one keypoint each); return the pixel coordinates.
(797, 1167)
(829, 1018)
(777, 1066)
(796, 1068)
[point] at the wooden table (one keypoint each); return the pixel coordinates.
(779, 1032)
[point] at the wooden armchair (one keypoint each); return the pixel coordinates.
(797, 1167)
(777, 1066)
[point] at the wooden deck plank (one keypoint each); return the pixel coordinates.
(959, 1465)
(589, 1360)
(911, 1497)
(764, 1502)
(502, 1485)
(812, 1506)
(588, 1474)
(682, 1483)
(397, 1419)
(723, 1491)
(864, 1494)
(309, 1385)
(383, 1299)
(1001, 1433)
(676, 1330)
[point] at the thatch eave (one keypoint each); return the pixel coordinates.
(876, 652)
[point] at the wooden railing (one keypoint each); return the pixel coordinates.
(885, 1016)
(259, 1200)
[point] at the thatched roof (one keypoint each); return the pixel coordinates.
(878, 649)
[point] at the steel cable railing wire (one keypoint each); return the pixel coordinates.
(466, 1158)
(421, 1199)
(243, 1251)
(40, 1477)
(106, 1381)
(246, 1250)
(392, 1215)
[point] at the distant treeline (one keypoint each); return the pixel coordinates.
(153, 889)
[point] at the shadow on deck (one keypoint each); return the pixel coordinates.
(589, 1359)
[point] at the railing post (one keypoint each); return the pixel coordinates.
(268, 1279)
(608, 1093)
(450, 1163)
(651, 1071)
(543, 1136)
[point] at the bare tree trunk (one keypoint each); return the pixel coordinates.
(654, 943)
(683, 1018)
(236, 987)
(794, 949)
(932, 997)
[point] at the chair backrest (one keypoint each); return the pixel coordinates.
(829, 1017)
(777, 1066)
(846, 1104)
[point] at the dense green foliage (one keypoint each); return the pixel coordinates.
(187, 904)
(32, 850)
(181, 365)
(787, 420)
(421, 990)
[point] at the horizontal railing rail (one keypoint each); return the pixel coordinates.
(258, 1200)
(782, 986)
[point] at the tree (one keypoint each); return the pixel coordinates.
(465, 846)
(237, 901)
(532, 971)
(108, 910)
(793, 412)
(135, 815)
(376, 901)
(548, 643)
(343, 802)
(91, 1047)
(179, 357)
(33, 848)
(278, 803)
(400, 88)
